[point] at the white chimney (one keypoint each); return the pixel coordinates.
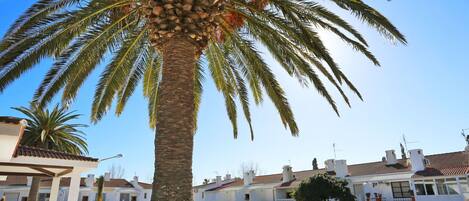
(107, 176)
(89, 181)
(228, 177)
(135, 179)
(218, 180)
(29, 181)
(341, 168)
(329, 165)
(417, 160)
(391, 158)
(248, 177)
(287, 174)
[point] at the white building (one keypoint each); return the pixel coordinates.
(16, 188)
(439, 177)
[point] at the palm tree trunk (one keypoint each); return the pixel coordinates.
(34, 189)
(175, 123)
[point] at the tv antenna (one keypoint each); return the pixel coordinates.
(466, 136)
(404, 139)
(334, 147)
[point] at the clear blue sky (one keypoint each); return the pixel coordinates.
(421, 90)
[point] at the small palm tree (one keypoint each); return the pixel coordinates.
(165, 44)
(52, 130)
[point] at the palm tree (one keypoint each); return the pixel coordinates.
(166, 44)
(51, 130)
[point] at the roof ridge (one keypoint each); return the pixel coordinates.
(54, 151)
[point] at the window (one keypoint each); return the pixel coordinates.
(145, 196)
(420, 189)
(84, 198)
(401, 189)
(24, 198)
(124, 197)
(464, 185)
(441, 187)
(452, 185)
(247, 196)
(133, 198)
(203, 195)
(44, 196)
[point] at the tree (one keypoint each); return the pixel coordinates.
(117, 172)
(315, 164)
(99, 193)
(52, 130)
(323, 187)
(249, 166)
(165, 44)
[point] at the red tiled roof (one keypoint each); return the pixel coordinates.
(145, 185)
(47, 182)
(10, 120)
(455, 163)
(45, 153)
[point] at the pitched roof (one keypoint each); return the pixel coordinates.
(65, 182)
(10, 120)
(454, 163)
(145, 185)
(45, 153)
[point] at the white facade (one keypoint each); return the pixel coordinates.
(437, 177)
(87, 192)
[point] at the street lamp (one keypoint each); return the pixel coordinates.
(116, 156)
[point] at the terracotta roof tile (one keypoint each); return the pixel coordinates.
(45, 153)
(145, 185)
(10, 120)
(455, 163)
(64, 182)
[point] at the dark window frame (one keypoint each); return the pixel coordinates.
(401, 189)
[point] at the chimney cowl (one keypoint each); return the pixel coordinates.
(227, 177)
(89, 181)
(248, 177)
(107, 176)
(341, 168)
(391, 158)
(417, 160)
(287, 174)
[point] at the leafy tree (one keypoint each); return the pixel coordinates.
(52, 129)
(164, 44)
(323, 187)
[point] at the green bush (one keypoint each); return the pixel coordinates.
(323, 187)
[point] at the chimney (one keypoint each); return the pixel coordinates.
(107, 176)
(89, 181)
(391, 158)
(218, 180)
(287, 174)
(135, 179)
(329, 165)
(228, 177)
(341, 168)
(417, 160)
(248, 177)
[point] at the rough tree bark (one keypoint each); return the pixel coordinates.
(34, 189)
(175, 122)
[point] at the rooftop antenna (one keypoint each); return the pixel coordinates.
(407, 142)
(466, 136)
(334, 147)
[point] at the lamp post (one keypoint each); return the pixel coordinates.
(116, 156)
